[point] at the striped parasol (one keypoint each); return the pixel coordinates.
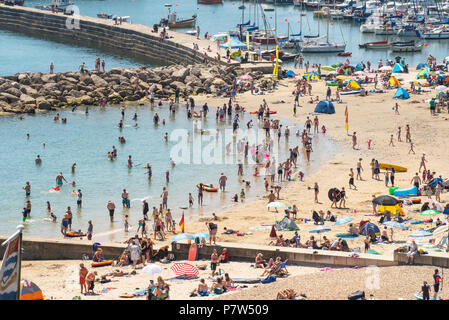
(185, 269)
(30, 291)
(440, 230)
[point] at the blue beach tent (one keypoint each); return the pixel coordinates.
(401, 93)
(325, 106)
(398, 68)
(421, 66)
(290, 74)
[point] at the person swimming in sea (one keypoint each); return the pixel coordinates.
(130, 162)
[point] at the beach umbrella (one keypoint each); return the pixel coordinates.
(385, 201)
(343, 77)
(429, 213)
(360, 73)
(182, 236)
(328, 68)
(152, 269)
(320, 229)
(368, 227)
(394, 224)
(386, 68)
(441, 88)
(202, 235)
(440, 230)
(246, 77)
(343, 220)
(276, 205)
(333, 72)
(30, 291)
(421, 233)
(184, 269)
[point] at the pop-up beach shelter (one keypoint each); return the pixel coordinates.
(401, 93)
(398, 68)
(325, 106)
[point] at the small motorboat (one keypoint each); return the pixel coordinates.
(375, 45)
(172, 22)
(344, 54)
(102, 15)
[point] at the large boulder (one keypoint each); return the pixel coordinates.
(26, 99)
(49, 77)
(13, 91)
(98, 81)
(9, 97)
(180, 74)
(87, 100)
(43, 104)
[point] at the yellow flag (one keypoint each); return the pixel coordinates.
(276, 65)
(247, 41)
(229, 42)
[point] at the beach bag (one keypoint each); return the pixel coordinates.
(268, 279)
(358, 295)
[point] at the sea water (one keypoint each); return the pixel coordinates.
(86, 140)
(22, 53)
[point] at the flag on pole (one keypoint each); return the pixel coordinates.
(10, 269)
(346, 119)
(181, 223)
(229, 42)
(276, 65)
(247, 41)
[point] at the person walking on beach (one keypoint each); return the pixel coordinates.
(359, 169)
(200, 195)
(90, 230)
(52, 67)
(145, 209)
(396, 109)
(425, 289)
(391, 141)
(436, 286)
(222, 182)
(315, 125)
(354, 140)
(164, 196)
(399, 134)
(214, 261)
(411, 148)
(423, 163)
(342, 198)
(111, 208)
(408, 137)
(351, 179)
(83, 273)
(316, 190)
(212, 227)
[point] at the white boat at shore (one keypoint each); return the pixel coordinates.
(436, 34)
(322, 47)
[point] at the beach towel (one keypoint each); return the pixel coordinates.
(268, 279)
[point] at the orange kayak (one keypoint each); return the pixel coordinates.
(102, 263)
(208, 188)
(75, 234)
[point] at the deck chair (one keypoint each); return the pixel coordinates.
(443, 243)
(316, 218)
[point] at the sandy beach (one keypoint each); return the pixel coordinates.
(372, 118)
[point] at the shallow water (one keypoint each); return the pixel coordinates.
(86, 141)
(20, 53)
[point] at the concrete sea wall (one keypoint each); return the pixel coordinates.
(136, 40)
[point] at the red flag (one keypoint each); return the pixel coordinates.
(181, 223)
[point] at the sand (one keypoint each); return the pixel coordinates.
(371, 117)
(59, 279)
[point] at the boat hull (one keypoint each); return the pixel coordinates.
(417, 48)
(323, 49)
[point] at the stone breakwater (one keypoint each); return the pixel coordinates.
(133, 39)
(37, 92)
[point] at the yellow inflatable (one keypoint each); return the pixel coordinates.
(392, 209)
(387, 166)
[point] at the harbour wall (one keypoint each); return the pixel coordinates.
(133, 39)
